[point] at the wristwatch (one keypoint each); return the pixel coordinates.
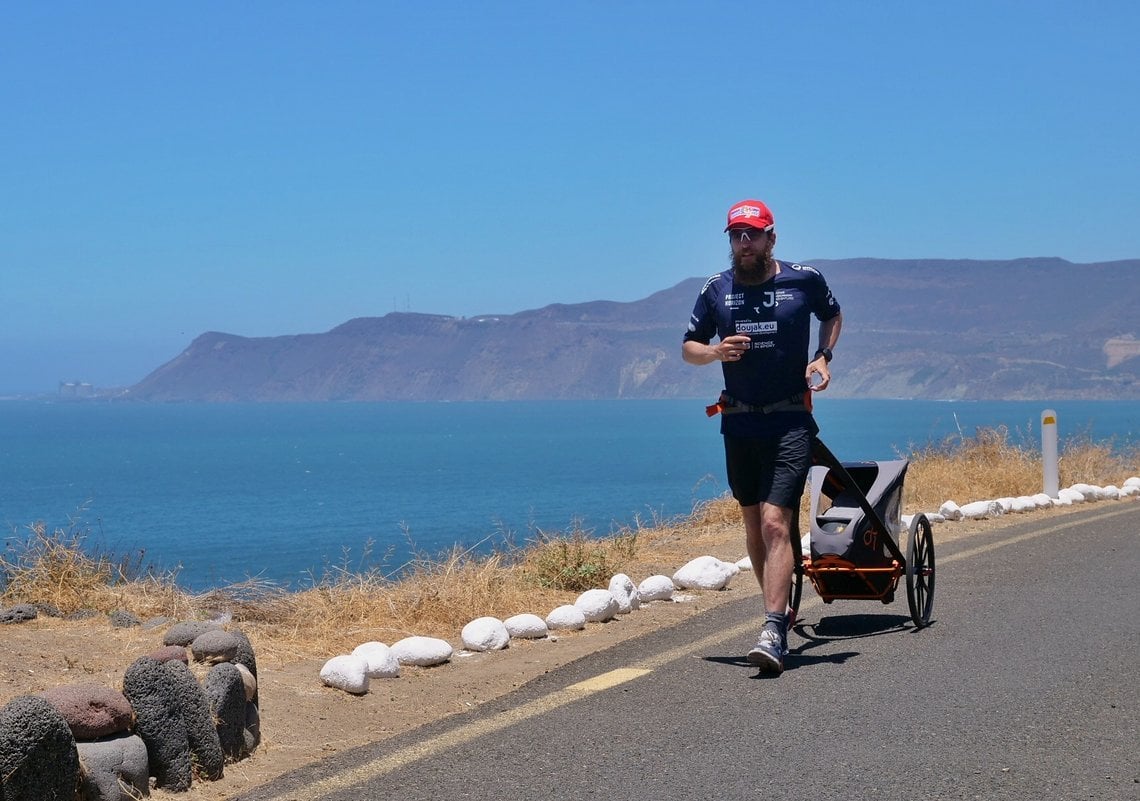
(825, 353)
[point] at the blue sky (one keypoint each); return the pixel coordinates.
(277, 168)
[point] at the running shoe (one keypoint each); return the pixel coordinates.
(768, 653)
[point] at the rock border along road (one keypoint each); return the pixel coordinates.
(1021, 688)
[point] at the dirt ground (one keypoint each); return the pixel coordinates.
(304, 721)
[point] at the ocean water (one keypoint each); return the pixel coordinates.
(286, 492)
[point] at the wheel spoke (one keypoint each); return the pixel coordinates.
(920, 570)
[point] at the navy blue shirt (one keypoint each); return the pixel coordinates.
(777, 316)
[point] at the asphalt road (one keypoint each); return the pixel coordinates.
(1023, 687)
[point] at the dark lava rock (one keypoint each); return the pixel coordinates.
(170, 653)
(226, 691)
(150, 689)
(114, 768)
(121, 619)
(187, 631)
(84, 614)
(245, 656)
(20, 613)
(215, 646)
(205, 747)
(51, 610)
(91, 710)
(38, 760)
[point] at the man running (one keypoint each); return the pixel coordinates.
(760, 311)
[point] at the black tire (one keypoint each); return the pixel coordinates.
(920, 570)
(797, 572)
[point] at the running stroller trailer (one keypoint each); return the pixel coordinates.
(855, 528)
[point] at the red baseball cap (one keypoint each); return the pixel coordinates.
(751, 213)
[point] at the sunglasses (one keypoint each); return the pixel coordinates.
(746, 235)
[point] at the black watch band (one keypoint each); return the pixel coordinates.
(825, 353)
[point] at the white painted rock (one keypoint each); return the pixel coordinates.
(950, 510)
(485, 634)
(623, 589)
(1130, 489)
(1023, 503)
(1091, 492)
(1069, 496)
(422, 651)
(1132, 481)
(1112, 493)
(1006, 505)
(1042, 501)
(346, 672)
(566, 616)
(705, 573)
(526, 626)
(656, 588)
(382, 663)
(980, 510)
(745, 564)
(597, 606)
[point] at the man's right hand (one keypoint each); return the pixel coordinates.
(733, 348)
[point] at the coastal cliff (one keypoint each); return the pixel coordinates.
(931, 329)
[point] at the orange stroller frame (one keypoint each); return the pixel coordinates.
(853, 523)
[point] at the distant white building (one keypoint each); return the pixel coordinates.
(76, 389)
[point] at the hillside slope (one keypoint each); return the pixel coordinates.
(1022, 329)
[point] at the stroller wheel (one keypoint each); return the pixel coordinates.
(797, 586)
(794, 593)
(920, 570)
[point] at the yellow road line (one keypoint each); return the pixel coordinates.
(413, 753)
(575, 692)
(465, 734)
(607, 680)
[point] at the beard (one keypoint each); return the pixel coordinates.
(751, 268)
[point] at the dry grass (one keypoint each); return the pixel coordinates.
(577, 561)
(438, 596)
(54, 569)
(989, 465)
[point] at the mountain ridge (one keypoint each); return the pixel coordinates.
(1021, 329)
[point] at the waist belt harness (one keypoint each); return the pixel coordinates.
(726, 404)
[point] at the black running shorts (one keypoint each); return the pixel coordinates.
(770, 469)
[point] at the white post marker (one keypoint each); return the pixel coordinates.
(1049, 452)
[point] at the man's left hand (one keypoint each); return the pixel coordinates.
(818, 367)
